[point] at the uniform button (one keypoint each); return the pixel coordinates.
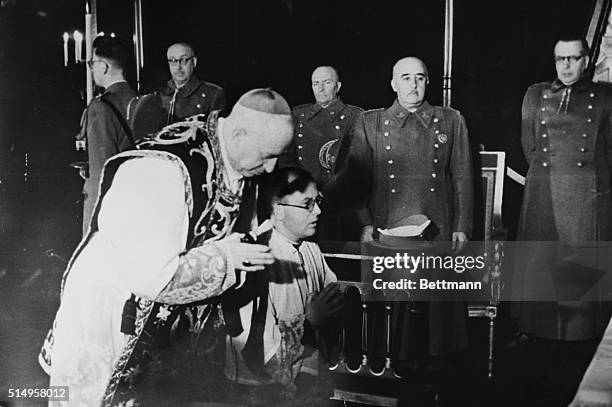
(590, 107)
(584, 135)
(392, 190)
(592, 95)
(436, 120)
(388, 148)
(301, 124)
(437, 131)
(589, 120)
(436, 145)
(543, 109)
(386, 122)
(300, 135)
(300, 147)
(543, 122)
(386, 133)
(583, 150)
(390, 161)
(331, 112)
(544, 135)
(435, 160)
(392, 176)
(545, 96)
(432, 189)
(545, 150)
(203, 95)
(198, 105)
(342, 117)
(434, 175)
(544, 164)
(337, 127)
(579, 164)
(301, 114)
(300, 158)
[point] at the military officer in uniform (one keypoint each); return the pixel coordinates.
(184, 94)
(104, 122)
(416, 159)
(323, 132)
(567, 140)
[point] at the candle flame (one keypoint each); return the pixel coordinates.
(77, 36)
(66, 36)
(86, 7)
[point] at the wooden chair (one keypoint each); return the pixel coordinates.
(492, 172)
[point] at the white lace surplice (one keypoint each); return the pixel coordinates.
(290, 289)
(143, 225)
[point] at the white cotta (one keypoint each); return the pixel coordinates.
(143, 224)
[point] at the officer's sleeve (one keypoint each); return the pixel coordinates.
(528, 114)
(289, 158)
(101, 131)
(462, 178)
(351, 187)
(145, 219)
(218, 102)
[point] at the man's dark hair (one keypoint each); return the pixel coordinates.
(115, 49)
(285, 181)
(574, 37)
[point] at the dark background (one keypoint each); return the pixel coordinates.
(500, 48)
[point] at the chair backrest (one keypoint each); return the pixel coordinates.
(492, 171)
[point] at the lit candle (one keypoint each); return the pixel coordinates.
(66, 36)
(78, 45)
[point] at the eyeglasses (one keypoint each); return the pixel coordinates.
(571, 59)
(91, 62)
(310, 203)
(182, 61)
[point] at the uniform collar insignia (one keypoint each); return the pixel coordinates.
(401, 114)
(557, 85)
(186, 89)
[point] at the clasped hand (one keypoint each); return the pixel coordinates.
(324, 305)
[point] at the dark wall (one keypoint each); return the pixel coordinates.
(500, 48)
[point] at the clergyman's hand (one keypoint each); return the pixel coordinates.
(459, 241)
(324, 305)
(247, 256)
(367, 234)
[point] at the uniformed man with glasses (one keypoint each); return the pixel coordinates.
(185, 94)
(567, 140)
(104, 122)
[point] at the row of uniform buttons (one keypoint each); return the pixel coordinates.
(584, 135)
(390, 162)
(301, 135)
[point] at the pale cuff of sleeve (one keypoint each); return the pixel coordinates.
(230, 272)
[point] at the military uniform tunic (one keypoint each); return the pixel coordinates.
(418, 163)
(322, 137)
(195, 97)
(567, 140)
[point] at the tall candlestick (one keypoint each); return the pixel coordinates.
(88, 53)
(78, 45)
(66, 36)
